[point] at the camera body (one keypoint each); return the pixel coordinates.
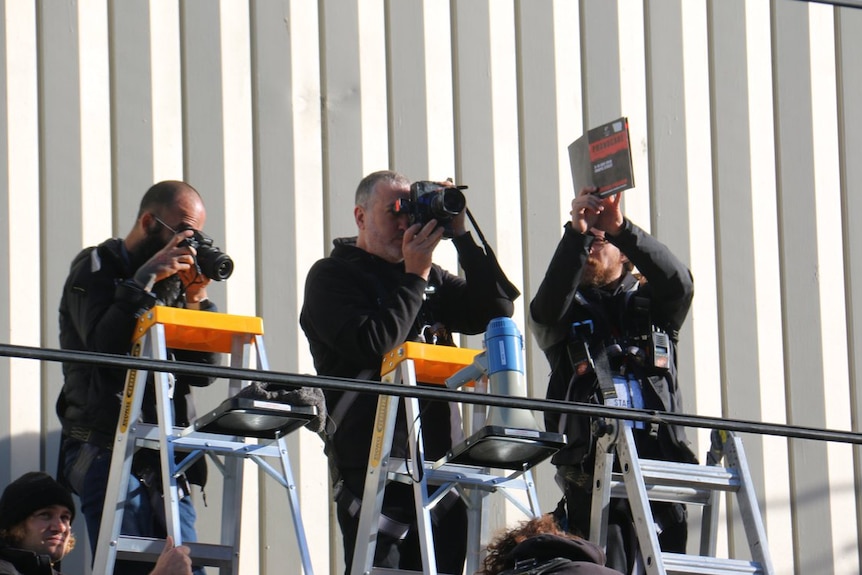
(211, 261)
(432, 201)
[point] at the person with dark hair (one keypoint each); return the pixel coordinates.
(36, 515)
(374, 292)
(602, 328)
(108, 288)
(538, 546)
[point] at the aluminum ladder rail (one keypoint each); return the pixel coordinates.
(645, 480)
(159, 329)
(405, 365)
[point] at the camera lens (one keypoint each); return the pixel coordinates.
(222, 267)
(448, 202)
(215, 264)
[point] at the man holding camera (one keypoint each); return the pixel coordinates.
(374, 292)
(600, 327)
(108, 288)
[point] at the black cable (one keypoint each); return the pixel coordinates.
(443, 394)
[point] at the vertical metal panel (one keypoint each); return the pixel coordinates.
(236, 114)
(166, 85)
(701, 335)
(132, 132)
(600, 42)
(486, 132)
(550, 107)
(675, 50)
(20, 310)
(146, 101)
(814, 525)
(487, 128)
(614, 83)
(355, 119)
(75, 168)
(746, 238)
(849, 45)
(777, 493)
(204, 104)
(633, 103)
(217, 134)
(420, 89)
(288, 175)
(830, 269)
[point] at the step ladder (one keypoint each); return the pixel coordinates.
(470, 467)
(240, 428)
(645, 480)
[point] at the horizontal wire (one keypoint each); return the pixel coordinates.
(440, 393)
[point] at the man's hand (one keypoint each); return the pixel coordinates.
(195, 285)
(173, 560)
(590, 211)
(418, 245)
(610, 219)
(171, 259)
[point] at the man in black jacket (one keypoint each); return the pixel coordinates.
(36, 515)
(596, 322)
(108, 288)
(373, 293)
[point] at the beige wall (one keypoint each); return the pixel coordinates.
(745, 123)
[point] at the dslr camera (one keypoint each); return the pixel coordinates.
(432, 201)
(211, 261)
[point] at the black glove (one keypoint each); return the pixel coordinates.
(312, 396)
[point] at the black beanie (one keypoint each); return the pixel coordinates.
(30, 492)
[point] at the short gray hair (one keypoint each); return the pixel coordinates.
(369, 182)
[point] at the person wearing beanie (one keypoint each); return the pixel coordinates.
(36, 515)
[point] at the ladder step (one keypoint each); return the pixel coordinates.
(149, 548)
(664, 493)
(147, 435)
(675, 563)
(709, 477)
(680, 482)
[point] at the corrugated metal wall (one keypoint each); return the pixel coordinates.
(745, 119)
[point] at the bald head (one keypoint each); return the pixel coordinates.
(166, 195)
(166, 208)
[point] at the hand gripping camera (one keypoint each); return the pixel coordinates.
(432, 201)
(211, 261)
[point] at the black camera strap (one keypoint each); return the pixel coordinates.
(508, 287)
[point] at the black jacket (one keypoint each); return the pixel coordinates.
(20, 562)
(359, 307)
(99, 309)
(546, 554)
(664, 300)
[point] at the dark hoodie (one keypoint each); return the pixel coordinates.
(359, 307)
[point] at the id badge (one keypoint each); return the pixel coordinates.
(629, 395)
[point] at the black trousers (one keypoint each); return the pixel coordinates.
(449, 530)
(622, 550)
